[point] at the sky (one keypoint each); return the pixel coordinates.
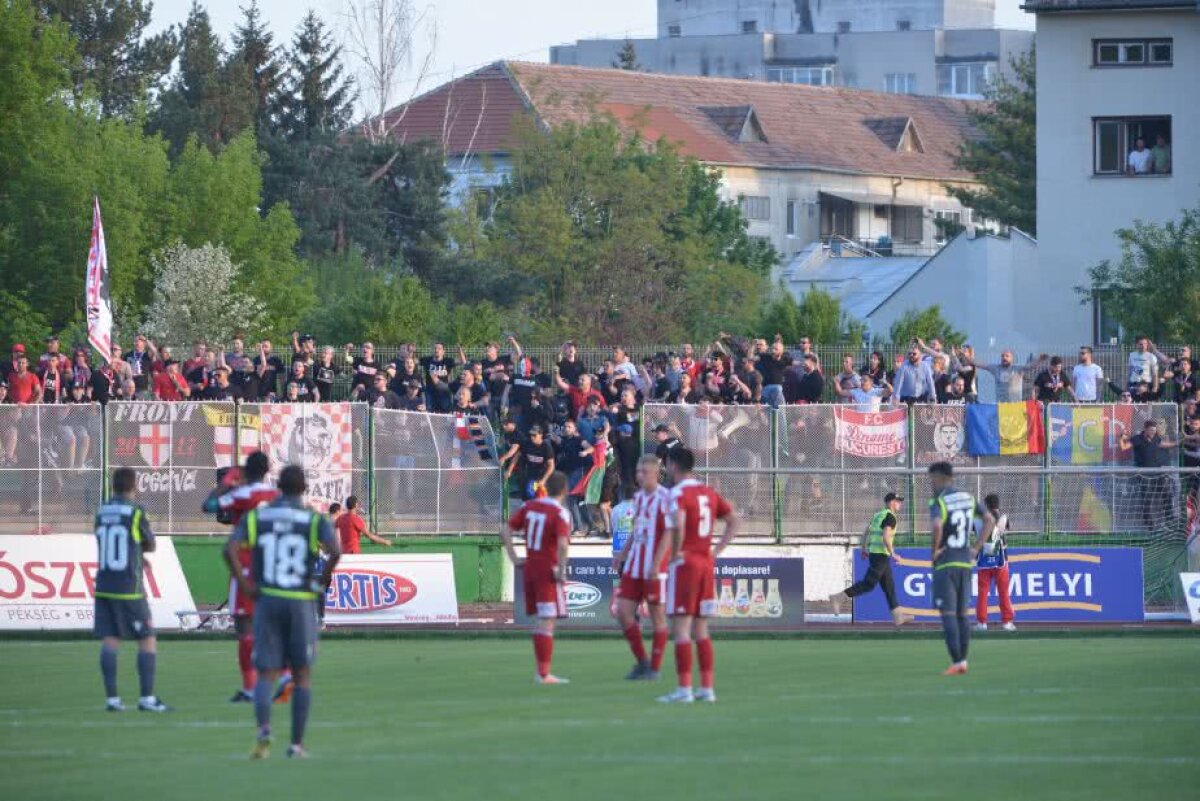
(472, 33)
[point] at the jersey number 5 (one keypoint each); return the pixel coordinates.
(535, 529)
(704, 529)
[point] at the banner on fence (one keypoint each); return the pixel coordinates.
(1059, 586)
(385, 589)
(765, 592)
(317, 436)
(1191, 594)
(871, 434)
(49, 583)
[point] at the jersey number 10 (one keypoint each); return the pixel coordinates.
(114, 547)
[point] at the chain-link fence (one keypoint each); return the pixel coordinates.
(434, 474)
(51, 474)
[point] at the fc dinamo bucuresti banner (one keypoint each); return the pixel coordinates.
(1078, 585)
(766, 592)
(176, 448)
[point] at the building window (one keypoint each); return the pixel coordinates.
(756, 208)
(843, 27)
(1132, 52)
(749, 26)
(900, 83)
(791, 218)
(813, 76)
(1116, 144)
(903, 25)
(965, 80)
(673, 31)
(953, 223)
(907, 224)
(882, 212)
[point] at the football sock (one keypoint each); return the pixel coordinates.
(633, 635)
(704, 653)
(950, 628)
(246, 662)
(108, 668)
(263, 695)
(543, 652)
(146, 663)
(964, 637)
(683, 663)
(301, 700)
(658, 649)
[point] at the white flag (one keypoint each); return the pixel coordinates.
(96, 297)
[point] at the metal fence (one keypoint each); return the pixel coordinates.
(800, 473)
(434, 474)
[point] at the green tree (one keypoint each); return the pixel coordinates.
(1004, 155)
(255, 52)
(317, 96)
(624, 240)
(924, 324)
(1155, 286)
(818, 316)
(117, 60)
(20, 322)
(627, 58)
(212, 97)
(185, 307)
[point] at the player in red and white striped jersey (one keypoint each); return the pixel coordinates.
(691, 587)
(232, 501)
(545, 525)
(642, 564)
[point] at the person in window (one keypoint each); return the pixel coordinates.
(1161, 153)
(1141, 160)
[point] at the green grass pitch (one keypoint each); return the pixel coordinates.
(441, 718)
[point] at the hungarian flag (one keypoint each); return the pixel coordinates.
(96, 296)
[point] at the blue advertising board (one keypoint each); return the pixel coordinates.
(751, 592)
(1079, 585)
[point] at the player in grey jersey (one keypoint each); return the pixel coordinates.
(284, 538)
(953, 514)
(123, 535)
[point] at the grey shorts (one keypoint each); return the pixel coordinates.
(125, 619)
(952, 590)
(285, 633)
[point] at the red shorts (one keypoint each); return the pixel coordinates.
(691, 588)
(240, 604)
(651, 590)
(544, 597)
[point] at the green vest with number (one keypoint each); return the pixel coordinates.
(875, 541)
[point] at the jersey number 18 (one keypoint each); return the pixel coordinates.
(285, 559)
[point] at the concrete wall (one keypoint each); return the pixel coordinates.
(1077, 210)
(721, 17)
(982, 286)
(805, 186)
(864, 59)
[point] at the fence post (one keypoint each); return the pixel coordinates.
(911, 489)
(372, 511)
(776, 479)
(1047, 482)
(104, 453)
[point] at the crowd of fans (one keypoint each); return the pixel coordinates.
(555, 416)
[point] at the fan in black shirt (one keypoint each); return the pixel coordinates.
(324, 372)
(439, 370)
(306, 388)
(221, 389)
(365, 369)
(380, 396)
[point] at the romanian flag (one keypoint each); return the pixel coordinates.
(1005, 429)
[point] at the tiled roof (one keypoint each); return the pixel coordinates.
(805, 126)
(888, 129)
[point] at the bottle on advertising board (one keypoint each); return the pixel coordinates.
(725, 602)
(774, 599)
(741, 601)
(758, 599)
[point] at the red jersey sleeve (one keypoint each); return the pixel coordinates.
(517, 521)
(721, 507)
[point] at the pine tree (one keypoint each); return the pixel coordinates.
(1004, 157)
(318, 98)
(255, 50)
(627, 58)
(116, 58)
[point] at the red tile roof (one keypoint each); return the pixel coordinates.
(806, 126)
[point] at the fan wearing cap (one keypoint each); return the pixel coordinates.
(877, 547)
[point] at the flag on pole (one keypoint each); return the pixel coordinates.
(96, 297)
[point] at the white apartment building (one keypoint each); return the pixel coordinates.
(950, 48)
(1109, 74)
